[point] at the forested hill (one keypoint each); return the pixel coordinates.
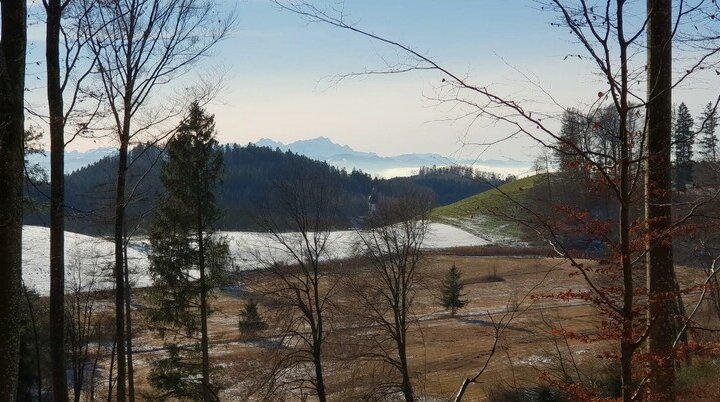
(250, 176)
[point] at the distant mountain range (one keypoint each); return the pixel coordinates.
(342, 156)
(74, 160)
(323, 149)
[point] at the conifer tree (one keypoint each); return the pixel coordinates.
(709, 141)
(187, 258)
(684, 140)
(250, 320)
(452, 297)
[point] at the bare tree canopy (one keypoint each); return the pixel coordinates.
(392, 244)
(141, 46)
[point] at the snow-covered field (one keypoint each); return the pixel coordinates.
(89, 259)
(248, 248)
(490, 232)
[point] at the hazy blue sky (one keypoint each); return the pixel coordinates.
(281, 70)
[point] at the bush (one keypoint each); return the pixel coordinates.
(491, 278)
(699, 372)
(538, 393)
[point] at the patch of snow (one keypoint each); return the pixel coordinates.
(535, 360)
(480, 226)
(89, 260)
(444, 236)
(255, 250)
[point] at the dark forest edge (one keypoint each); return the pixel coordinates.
(250, 175)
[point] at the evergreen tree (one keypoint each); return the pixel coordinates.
(250, 320)
(187, 258)
(709, 141)
(684, 140)
(452, 297)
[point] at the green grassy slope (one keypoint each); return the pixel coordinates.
(478, 214)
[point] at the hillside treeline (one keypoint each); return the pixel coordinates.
(250, 177)
(578, 201)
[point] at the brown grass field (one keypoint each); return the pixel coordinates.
(443, 350)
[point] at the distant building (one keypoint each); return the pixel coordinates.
(373, 201)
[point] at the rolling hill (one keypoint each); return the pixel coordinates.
(489, 214)
(251, 175)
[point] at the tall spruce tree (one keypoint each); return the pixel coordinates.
(187, 258)
(709, 141)
(684, 140)
(452, 297)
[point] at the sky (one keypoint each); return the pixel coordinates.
(280, 75)
(283, 81)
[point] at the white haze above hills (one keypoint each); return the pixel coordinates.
(74, 160)
(323, 149)
(342, 156)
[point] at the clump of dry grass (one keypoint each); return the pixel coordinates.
(490, 278)
(494, 250)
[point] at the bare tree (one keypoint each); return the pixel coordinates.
(63, 73)
(392, 243)
(299, 229)
(142, 46)
(53, 10)
(84, 320)
(13, 41)
(658, 201)
(30, 298)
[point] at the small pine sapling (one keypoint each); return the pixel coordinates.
(452, 296)
(250, 320)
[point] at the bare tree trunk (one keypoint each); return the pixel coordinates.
(119, 265)
(207, 391)
(76, 341)
(461, 390)
(110, 370)
(319, 336)
(658, 208)
(319, 377)
(13, 40)
(406, 384)
(679, 316)
(627, 346)
(401, 311)
(57, 183)
(94, 371)
(128, 326)
(37, 343)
